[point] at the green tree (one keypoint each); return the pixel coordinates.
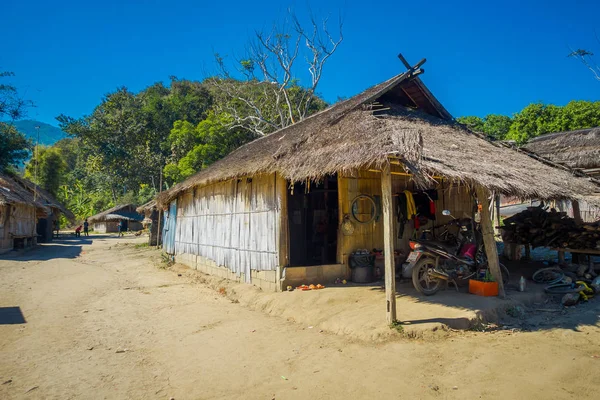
(46, 168)
(209, 141)
(497, 125)
(125, 139)
(14, 146)
(472, 122)
(494, 125)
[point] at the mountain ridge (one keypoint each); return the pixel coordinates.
(48, 134)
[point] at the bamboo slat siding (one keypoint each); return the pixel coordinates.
(16, 220)
(22, 220)
(234, 223)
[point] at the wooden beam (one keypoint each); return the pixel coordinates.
(488, 238)
(388, 243)
(576, 211)
(402, 173)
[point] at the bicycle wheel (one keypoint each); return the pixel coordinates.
(564, 288)
(550, 275)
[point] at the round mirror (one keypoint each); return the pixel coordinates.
(363, 209)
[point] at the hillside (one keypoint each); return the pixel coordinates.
(48, 134)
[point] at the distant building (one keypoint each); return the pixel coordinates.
(108, 221)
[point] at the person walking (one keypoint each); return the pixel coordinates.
(86, 227)
(120, 227)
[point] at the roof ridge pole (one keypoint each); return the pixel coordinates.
(388, 242)
(489, 241)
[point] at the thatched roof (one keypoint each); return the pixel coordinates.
(11, 192)
(146, 206)
(116, 213)
(380, 122)
(17, 190)
(578, 149)
(44, 197)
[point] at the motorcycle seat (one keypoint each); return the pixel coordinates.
(440, 245)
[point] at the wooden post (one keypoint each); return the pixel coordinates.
(282, 234)
(488, 238)
(576, 211)
(388, 243)
(497, 230)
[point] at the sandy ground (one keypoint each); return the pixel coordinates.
(104, 321)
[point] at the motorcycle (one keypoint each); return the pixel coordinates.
(455, 258)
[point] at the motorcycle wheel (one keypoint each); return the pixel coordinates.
(421, 279)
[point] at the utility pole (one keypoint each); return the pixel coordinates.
(158, 235)
(36, 154)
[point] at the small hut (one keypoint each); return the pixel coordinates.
(294, 205)
(150, 212)
(108, 220)
(578, 150)
(18, 215)
(45, 223)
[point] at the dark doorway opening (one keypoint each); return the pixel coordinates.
(313, 222)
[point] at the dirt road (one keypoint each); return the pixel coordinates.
(103, 321)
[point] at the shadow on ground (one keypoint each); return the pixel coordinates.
(531, 310)
(11, 316)
(63, 247)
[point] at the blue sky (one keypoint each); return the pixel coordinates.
(482, 57)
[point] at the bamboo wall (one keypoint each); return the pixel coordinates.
(16, 221)
(233, 223)
(455, 198)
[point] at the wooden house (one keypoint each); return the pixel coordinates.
(46, 222)
(284, 207)
(108, 220)
(19, 212)
(578, 150)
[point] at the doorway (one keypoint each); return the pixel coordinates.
(313, 222)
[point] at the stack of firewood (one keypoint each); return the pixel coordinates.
(539, 227)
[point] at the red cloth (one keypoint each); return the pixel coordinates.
(432, 208)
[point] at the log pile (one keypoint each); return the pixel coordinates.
(538, 227)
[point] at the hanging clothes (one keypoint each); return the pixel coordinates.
(411, 209)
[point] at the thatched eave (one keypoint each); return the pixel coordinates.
(578, 149)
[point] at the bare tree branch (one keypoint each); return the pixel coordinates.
(585, 57)
(276, 100)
